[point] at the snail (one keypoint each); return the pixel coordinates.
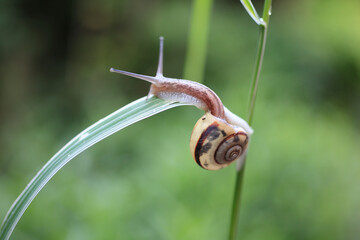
(219, 137)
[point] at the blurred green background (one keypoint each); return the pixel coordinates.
(303, 173)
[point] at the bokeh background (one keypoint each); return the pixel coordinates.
(303, 173)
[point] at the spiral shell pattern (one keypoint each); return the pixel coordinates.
(215, 143)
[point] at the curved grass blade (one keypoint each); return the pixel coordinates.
(125, 116)
(249, 7)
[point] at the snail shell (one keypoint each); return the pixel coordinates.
(215, 143)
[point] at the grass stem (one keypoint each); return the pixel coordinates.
(234, 222)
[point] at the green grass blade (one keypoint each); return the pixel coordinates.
(249, 7)
(125, 116)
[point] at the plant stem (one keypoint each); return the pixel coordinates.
(252, 98)
(197, 43)
(236, 204)
(255, 80)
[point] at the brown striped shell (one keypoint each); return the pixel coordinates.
(215, 144)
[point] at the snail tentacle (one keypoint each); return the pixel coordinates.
(159, 72)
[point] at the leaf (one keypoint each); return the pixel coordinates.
(125, 116)
(249, 7)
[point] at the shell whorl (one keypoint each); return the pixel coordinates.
(231, 148)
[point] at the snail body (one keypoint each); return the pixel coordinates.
(219, 137)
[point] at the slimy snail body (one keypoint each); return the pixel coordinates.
(219, 137)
